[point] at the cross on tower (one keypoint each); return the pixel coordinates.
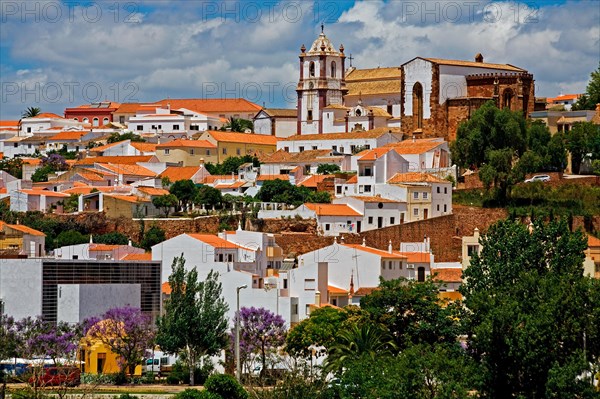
(350, 59)
(322, 27)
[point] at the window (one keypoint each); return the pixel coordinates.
(96, 122)
(105, 121)
(438, 189)
(295, 309)
(301, 148)
(285, 283)
(338, 189)
(16, 145)
(342, 150)
(507, 98)
(390, 109)
(416, 195)
(416, 211)
(28, 145)
(28, 130)
(370, 219)
(175, 127)
(417, 106)
(425, 195)
(438, 207)
(327, 227)
(311, 69)
(207, 152)
(224, 151)
(472, 249)
(139, 128)
(85, 120)
(314, 147)
(333, 69)
(334, 147)
(361, 189)
(122, 119)
(238, 151)
(390, 265)
(309, 284)
(167, 151)
(191, 152)
(445, 208)
(367, 189)
(220, 257)
(392, 220)
(286, 149)
(445, 190)
(309, 117)
(352, 148)
(229, 257)
(76, 119)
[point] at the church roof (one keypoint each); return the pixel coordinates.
(281, 112)
(373, 81)
(475, 64)
(367, 134)
(322, 46)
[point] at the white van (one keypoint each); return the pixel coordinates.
(159, 363)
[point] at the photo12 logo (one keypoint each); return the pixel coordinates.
(58, 92)
(69, 11)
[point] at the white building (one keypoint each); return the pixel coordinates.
(276, 122)
(48, 124)
(173, 123)
(377, 212)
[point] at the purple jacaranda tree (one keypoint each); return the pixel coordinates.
(127, 332)
(261, 332)
(58, 342)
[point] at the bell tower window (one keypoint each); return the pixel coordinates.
(417, 106)
(333, 69)
(311, 69)
(507, 98)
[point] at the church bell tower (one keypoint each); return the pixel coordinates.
(322, 83)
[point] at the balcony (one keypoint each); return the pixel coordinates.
(274, 252)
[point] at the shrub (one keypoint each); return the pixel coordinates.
(125, 396)
(226, 386)
(191, 393)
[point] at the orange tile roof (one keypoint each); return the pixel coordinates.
(9, 123)
(487, 65)
(25, 229)
(332, 209)
(127, 108)
(280, 156)
(313, 180)
(414, 146)
(336, 291)
(103, 247)
(111, 104)
(214, 241)
(236, 184)
(417, 257)
(447, 275)
(105, 147)
(247, 138)
(375, 153)
(363, 291)
(281, 112)
(133, 170)
(144, 256)
(212, 105)
(450, 296)
(375, 251)
(166, 288)
(176, 173)
(187, 144)
(91, 176)
(68, 136)
(593, 241)
(213, 178)
(273, 177)
(46, 193)
(415, 177)
(368, 134)
(128, 198)
(143, 147)
(153, 190)
(123, 160)
(564, 97)
(79, 190)
(352, 180)
(48, 115)
(32, 161)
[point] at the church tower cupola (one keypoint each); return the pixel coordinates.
(322, 82)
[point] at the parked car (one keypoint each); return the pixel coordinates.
(542, 178)
(53, 376)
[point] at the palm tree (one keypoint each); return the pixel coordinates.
(369, 340)
(238, 125)
(31, 112)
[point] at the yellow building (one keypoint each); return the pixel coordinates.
(591, 265)
(19, 240)
(230, 144)
(187, 152)
(97, 358)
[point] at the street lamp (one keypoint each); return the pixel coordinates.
(238, 366)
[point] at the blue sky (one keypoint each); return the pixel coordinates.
(56, 54)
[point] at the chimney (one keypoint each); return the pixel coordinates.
(390, 246)
(239, 225)
(91, 240)
(413, 138)
(476, 233)
(478, 57)
(342, 239)
(129, 243)
(364, 244)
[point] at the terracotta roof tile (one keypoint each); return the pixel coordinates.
(415, 146)
(417, 257)
(146, 256)
(593, 241)
(127, 108)
(123, 160)
(375, 251)
(128, 198)
(368, 134)
(282, 156)
(187, 144)
(313, 180)
(44, 115)
(415, 177)
(166, 288)
(5, 123)
(25, 229)
(486, 65)
(153, 190)
(281, 112)
(374, 154)
(215, 241)
(352, 180)
(332, 209)
(336, 290)
(176, 173)
(447, 275)
(364, 291)
(212, 105)
(273, 177)
(46, 193)
(249, 138)
(143, 147)
(133, 170)
(375, 199)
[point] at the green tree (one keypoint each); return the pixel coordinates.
(583, 141)
(185, 191)
(412, 312)
(238, 125)
(70, 237)
(165, 202)
(194, 322)
(320, 197)
(12, 166)
(366, 341)
(114, 238)
(231, 165)
(327, 169)
(529, 309)
(116, 137)
(154, 235)
(31, 112)
(591, 97)
(208, 196)
(71, 204)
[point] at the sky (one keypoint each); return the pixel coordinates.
(57, 54)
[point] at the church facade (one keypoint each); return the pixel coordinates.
(424, 97)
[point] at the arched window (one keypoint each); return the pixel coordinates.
(95, 123)
(76, 119)
(417, 105)
(311, 69)
(333, 69)
(85, 120)
(507, 98)
(104, 121)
